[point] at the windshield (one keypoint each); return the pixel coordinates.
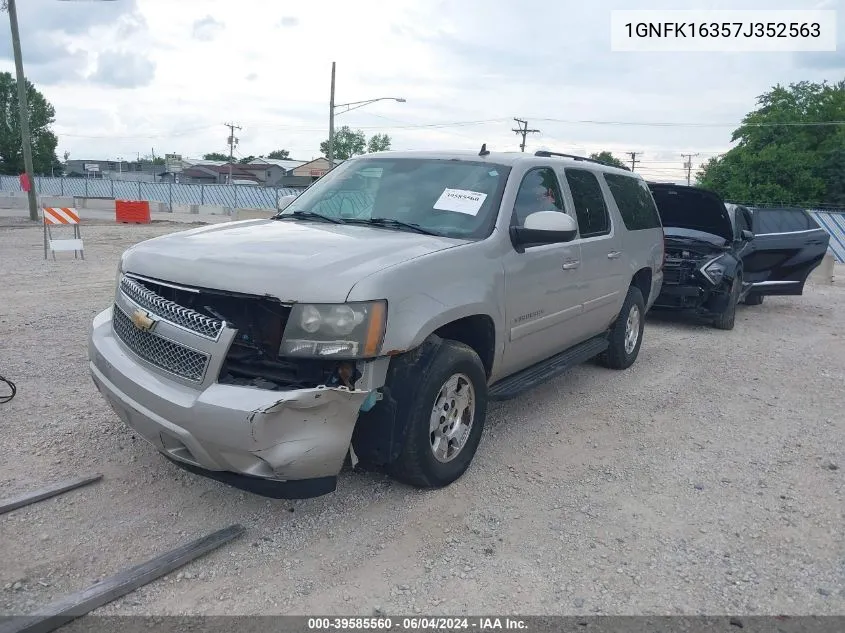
(450, 198)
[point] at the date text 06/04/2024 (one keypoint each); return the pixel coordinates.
(420, 623)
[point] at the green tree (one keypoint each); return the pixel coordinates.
(609, 159)
(215, 156)
(246, 159)
(378, 143)
(41, 116)
(346, 144)
(278, 154)
(784, 153)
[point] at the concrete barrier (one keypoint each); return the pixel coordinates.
(254, 214)
(19, 200)
(825, 272)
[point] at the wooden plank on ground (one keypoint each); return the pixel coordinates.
(13, 503)
(77, 604)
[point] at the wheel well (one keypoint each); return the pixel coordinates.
(642, 281)
(478, 332)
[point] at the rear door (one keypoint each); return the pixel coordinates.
(787, 246)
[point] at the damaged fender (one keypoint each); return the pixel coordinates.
(306, 433)
(380, 433)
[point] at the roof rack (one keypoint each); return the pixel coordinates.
(546, 154)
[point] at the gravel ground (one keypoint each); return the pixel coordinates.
(706, 479)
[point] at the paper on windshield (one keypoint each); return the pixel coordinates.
(460, 201)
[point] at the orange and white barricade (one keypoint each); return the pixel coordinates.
(62, 216)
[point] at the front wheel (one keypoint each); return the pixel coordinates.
(727, 319)
(626, 334)
(446, 419)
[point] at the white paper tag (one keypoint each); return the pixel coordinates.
(460, 201)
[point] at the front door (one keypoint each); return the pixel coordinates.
(542, 283)
(787, 246)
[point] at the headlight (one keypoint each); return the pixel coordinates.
(345, 330)
(714, 271)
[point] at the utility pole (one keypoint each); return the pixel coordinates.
(232, 142)
(23, 110)
(523, 130)
(688, 166)
(331, 123)
(634, 160)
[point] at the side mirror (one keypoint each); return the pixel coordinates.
(284, 201)
(747, 235)
(544, 227)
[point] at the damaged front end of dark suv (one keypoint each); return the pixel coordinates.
(702, 271)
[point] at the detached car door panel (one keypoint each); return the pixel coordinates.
(787, 246)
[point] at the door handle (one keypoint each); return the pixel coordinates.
(614, 254)
(571, 264)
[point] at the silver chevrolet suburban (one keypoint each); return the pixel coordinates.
(376, 315)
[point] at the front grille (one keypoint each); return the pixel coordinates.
(167, 355)
(677, 272)
(169, 311)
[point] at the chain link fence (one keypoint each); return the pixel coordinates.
(231, 196)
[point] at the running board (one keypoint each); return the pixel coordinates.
(543, 371)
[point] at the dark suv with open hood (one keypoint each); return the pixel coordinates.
(719, 254)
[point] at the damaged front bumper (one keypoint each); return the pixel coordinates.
(692, 298)
(280, 444)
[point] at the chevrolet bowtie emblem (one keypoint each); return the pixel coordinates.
(142, 321)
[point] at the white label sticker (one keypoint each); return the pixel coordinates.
(460, 201)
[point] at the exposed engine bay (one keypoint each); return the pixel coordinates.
(253, 358)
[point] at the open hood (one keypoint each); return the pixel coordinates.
(692, 208)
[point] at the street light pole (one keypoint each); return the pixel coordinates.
(23, 110)
(354, 105)
(331, 123)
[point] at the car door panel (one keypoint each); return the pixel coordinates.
(779, 262)
(601, 250)
(543, 283)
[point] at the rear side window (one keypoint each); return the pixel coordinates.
(593, 218)
(634, 200)
(780, 221)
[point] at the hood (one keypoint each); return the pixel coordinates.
(291, 260)
(692, 208)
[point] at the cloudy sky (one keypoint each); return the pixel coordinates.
(128, 76)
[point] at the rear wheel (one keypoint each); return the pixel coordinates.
(727, 319)
(446, 420)
(753, 299)
(626, 334)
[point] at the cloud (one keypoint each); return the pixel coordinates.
(288, 21)
(252, 76)
(206, 29)
(123, 70)
(55, 36)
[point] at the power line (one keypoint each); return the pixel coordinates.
(634, 160)
(524, 131)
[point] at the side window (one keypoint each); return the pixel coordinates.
(780, 221)
(593, 218)
(742, 220)
(539, 191)
(634, 200)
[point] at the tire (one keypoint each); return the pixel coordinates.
(753, 299)
(727, 319)
(455, 366)
(623, 350)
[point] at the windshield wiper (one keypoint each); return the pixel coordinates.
(390, 222)
(307, 215)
